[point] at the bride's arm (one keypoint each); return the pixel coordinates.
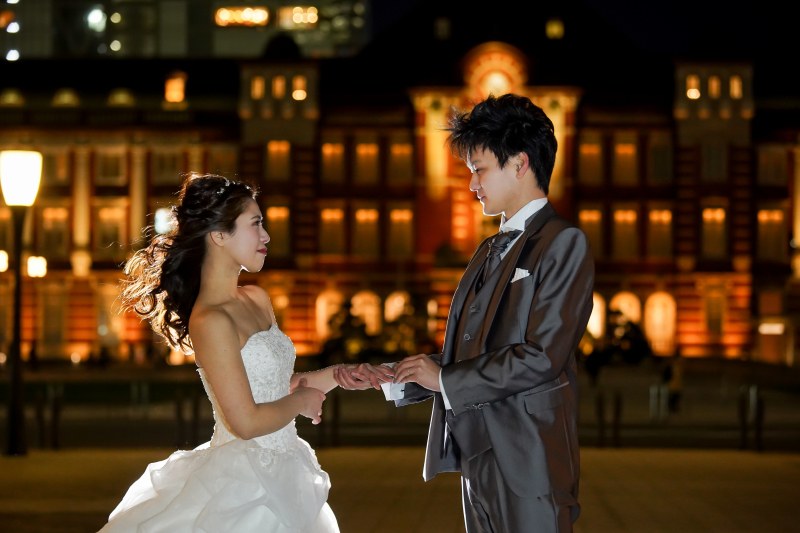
(216, 345)
(326, 379)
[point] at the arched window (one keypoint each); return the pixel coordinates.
(395, 305)
(660, 312)
(628, 304)
(597, 321)
(367, 306)
(328, 304)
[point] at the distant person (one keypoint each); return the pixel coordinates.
(505, 386)
(33, 357)
(255, 475)
(675, 381)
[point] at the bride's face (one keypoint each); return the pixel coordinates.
(248, 244)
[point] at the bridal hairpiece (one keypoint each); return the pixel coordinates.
(226, 184)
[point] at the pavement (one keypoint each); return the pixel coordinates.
(380, 490)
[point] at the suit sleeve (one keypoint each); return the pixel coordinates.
(558, 316)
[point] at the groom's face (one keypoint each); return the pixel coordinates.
(496, 187)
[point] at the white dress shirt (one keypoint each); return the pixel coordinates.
(394, 391)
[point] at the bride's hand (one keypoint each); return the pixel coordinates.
(312, 401)
(363, 376)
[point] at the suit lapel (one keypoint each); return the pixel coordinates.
(532, 226)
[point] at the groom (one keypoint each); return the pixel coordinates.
(505, 385)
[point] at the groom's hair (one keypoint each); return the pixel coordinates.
(506, 125)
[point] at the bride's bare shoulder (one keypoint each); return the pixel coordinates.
(213, 318)
(257, 294)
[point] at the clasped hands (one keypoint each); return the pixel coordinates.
(419, 369)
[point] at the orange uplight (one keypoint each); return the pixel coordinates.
(714, 214)
(590, 215)
(770, 215)
(590, 149)
(401, 149)
(331, 149)
(241, 16)
(660, 216)
(331, 215)
(277, 213)
(401, 215)
(625, 149)
(625, 216)
(366, 215)
(366, 149)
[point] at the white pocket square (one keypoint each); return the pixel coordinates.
(519, 274)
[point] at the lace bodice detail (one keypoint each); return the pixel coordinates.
(268, 358)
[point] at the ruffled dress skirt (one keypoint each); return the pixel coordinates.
(236, 487)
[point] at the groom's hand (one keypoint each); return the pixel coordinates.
(419, 369)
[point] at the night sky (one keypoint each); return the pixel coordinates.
(718, 29)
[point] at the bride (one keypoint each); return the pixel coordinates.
(255, 474)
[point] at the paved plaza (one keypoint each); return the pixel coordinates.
(380, 490)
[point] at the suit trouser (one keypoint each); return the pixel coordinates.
(490, 506)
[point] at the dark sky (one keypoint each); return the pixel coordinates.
(747, 30)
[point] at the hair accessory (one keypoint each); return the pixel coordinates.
(226, 184)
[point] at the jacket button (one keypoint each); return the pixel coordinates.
(473, 309)
(467, 337)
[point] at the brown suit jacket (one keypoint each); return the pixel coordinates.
(513, 387)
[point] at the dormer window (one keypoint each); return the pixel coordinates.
(736, 87)
(714, 87)
(278, 87)
(692, 87)
(175, 87)
(66, 98)
(121, 98)
(11, 98)
(299, 88)
(257, 87)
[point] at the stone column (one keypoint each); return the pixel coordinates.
(81, 258)
(138, 194)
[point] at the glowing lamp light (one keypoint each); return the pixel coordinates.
(299, 94)
(771, 328)
(3, 260)
(241, 16)
(12, 55)
(115, 46)
(116, 18)
(37, 266)
(20, 173)
(2, 358)
(13, 27)
(714, 215)
(589, 215)
(554, 29)
(75, 358)
(401, 215)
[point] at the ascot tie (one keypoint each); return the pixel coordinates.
(497, 246)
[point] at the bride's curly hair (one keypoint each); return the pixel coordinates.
(163, 279)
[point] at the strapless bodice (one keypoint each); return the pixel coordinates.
(268, 358)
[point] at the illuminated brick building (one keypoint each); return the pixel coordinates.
(682, 188)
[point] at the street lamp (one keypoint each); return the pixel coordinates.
(20, 173)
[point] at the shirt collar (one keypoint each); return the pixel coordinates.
(518, 220)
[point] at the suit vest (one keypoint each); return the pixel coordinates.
(472, 326)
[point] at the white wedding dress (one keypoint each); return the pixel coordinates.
(269, 484)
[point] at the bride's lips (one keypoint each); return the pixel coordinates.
(263, 251)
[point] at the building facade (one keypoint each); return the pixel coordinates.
(689, 206)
